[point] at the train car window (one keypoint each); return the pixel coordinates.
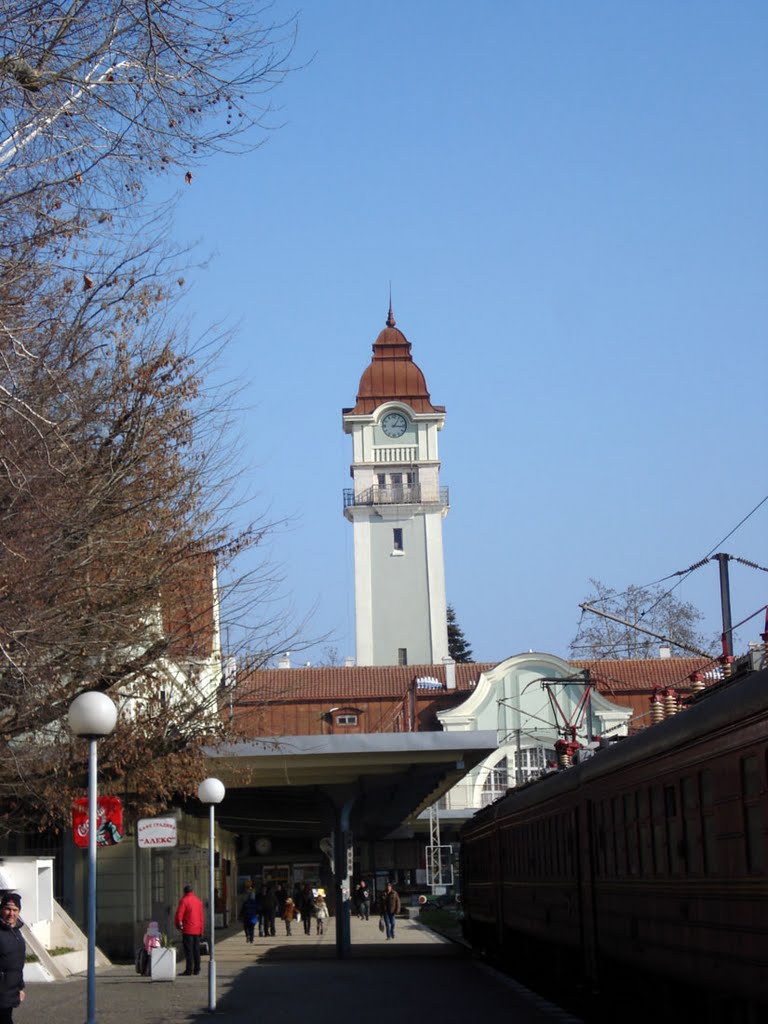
(750, 776)
(598, 837)
(675, 844)
(753, 814)
(709, 850)
(619, 837)
(630, 817)
(670, 801)
(659, 831)
(629, 807)
(705, 787)
(692, 841)
(642, 803)
(531, 836)
(567, 844)
(543, 845)
(754, 832)
(610, 845)
(644, 830)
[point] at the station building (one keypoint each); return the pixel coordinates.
(336, 769)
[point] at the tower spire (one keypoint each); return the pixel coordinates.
(390, 318)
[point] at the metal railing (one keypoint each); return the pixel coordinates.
(404, 495)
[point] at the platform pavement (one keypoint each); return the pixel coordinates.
(298, 979)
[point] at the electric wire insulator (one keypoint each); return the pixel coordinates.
(670, 704)
(697, 682)
(657, 710)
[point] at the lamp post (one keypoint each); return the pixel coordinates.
(92, 715)
(211, 792)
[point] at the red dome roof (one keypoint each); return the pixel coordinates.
(393, 375)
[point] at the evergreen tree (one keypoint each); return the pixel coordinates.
(458, 647)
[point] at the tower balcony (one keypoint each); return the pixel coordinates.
(415, 494)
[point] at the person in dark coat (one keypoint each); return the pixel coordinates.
(268, 909)
(390, 907)
(281, 895)
(306, 904)
(13, 950)
(249, 915)
(362, 901)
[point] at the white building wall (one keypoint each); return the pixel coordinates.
(400, 599)
(511, 700)
(400, 592)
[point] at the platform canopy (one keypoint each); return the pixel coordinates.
(296, 785)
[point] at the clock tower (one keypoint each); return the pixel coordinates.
(396, 506)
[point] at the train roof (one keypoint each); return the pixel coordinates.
(724, 705)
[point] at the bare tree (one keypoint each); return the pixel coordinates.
(97, 96)
(650, 608)
(115, 505)
(105, 513)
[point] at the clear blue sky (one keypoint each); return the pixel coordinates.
(570, 200)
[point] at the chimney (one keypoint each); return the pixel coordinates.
(285, 661)
(450, 673)
(665, 651)
(349, 662)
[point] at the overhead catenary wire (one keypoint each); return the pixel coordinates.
(684, 573)
(623, 641)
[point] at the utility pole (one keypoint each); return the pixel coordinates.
(725, 603)
(434, 852)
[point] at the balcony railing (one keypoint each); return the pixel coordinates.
(413, 495)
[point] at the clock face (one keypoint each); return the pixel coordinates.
(394, 424)
(263, 846)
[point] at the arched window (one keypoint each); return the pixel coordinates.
(496, 783)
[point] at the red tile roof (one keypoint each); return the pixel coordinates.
(643, 675)
(360, 682)
(356, 682)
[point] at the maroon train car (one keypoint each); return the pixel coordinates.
(635, 883)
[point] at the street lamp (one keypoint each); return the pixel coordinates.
(92, 715)
(211, 791)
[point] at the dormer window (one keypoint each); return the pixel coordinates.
(346, 719)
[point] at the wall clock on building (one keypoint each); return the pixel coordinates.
(263, 846)
(394, 424)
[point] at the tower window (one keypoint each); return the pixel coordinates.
(402, 655)
(397, 538)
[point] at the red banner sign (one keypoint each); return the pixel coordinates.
(109, 814)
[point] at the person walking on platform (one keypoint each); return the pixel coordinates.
(281, 895)
(189, 918)
(268, 910)
(321, 911)
(249, 915)
(390, 907)
(362, 901)
(289, 913)
(307, 908)
(13, 950)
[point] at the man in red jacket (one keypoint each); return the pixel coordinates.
(189, 918)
